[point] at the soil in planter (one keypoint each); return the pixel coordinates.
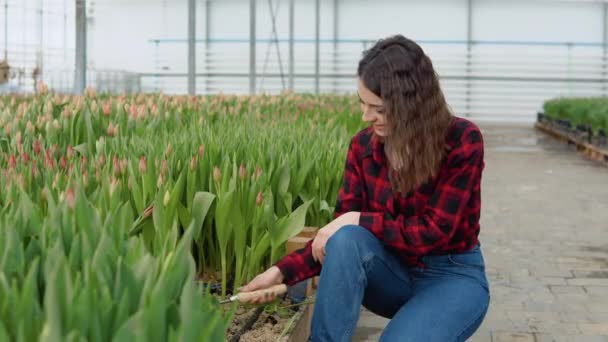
(268, 326)
(241, 317)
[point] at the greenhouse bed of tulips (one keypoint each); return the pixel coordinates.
(127, 218)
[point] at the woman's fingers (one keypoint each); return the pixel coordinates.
(318, 249)
(264, 299)
(251, 286)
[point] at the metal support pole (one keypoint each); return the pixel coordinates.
(468, 86)
(191, 47)
(252, 9)
(6, 30)
(24, 43)
(570, 46)
(291, 49)
(157, 64)
(605, 48)
(65, 30)
(207, 44)
(80, 75)
(317, 45)
(335, 43)
(39, 60)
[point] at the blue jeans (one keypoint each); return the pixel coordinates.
(446, 301)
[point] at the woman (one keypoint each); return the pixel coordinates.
(404, 243)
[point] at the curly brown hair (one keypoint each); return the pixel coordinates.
(397, 70)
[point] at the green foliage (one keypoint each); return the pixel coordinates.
(588, 111)
(112, 207)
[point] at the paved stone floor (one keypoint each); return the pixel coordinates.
(544, 235)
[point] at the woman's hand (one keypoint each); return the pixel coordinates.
(318, 244)
(270, 277)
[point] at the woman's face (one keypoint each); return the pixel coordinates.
(373, 109)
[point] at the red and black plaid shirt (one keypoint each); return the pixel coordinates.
(439, 217)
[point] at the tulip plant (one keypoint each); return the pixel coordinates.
(112, 206)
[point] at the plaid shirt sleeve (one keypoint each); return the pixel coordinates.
(300, 264)
(434, 227)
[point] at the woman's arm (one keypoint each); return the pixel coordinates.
(301, 264)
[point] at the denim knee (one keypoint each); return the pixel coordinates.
(349, 237)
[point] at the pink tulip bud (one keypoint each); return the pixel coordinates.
(123, 166)
(111, 131)
(242, 172)
(67, 111)
(25, 157)
(94, 107)
(148, 211)
(102, 160)
(106, 109)
(35, 171)
(217, 175)
(201, 150)
(113, 185)
(143, 166)
(54, 150)
(12, 162)
(49, 163)
(63, 163)
(36, 146)
(259, 199)
(83, 162)
(70, 152)
(29, 127)
(258, 172)
(20, 179)
(134, 111)
(116, 165)
(90, 92)
(142, 112)
(193, 163)
(70, 198)
(164, 167)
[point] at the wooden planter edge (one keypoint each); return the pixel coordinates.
(300, 330)
(590, 151)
